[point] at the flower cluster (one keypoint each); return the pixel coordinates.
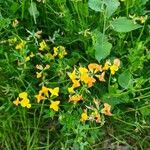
(23, 100)
(41, 70)
(49, 93)
(58, 51)
(88, 76)
(95, 114)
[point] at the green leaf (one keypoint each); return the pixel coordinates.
(122, 24)
(96, 5)
(33, 11)
(115, 100)
(111, 6)
(102, 46)
(125, 79)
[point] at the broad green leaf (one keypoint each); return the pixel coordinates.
(33, 11)
(102, 50)
(125, 79)
(122, 24)
(102, 46)
(115, 100)
(96, 5)
(111, 6)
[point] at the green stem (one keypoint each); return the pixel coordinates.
(23, 8)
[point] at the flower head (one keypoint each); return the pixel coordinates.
(95, 67)
(101, 77)
(83, 70)
(23, 95)
(106, 109)
(54, 92)
(107, 65)
(113, 69)
(91, 81)
(43, 46)
(84, 116)
(38, 74)
(39, 97)
(23, 100)
(75, 98)
(44, 91)
(76, 83)
(55, 105)
(71, 90)
(59, 51)
(72, 75)
(25, 103)
(16, 102)
(21, 45)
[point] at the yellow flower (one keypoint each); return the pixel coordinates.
(76, 83)
(25, 103)
(101, 77)
(21, 45)
(54, 92)
(142, 19)
(38, 74)
(87, 79)
(27, 58)
(95, 67)
(55, 51)
(84, 117)
(43, 46)
(59, 51)
(39, 97)
(91, 81)
(71, 90)
(84, 77)
(106, 109)
(16, 102)
(62, 52)
(83, 70)
(97, 117)
(107, 65)
(23, 95)
(72, 75)
(31, 55)
(44, 91)
(55, 105)
(75, 98)
(113, 69)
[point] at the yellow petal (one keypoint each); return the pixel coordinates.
(54, 92)
(23, 95)
(55, 105)
(16, 102)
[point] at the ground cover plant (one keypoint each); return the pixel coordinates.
(74, 74)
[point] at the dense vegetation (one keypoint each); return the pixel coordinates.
(74, 74)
